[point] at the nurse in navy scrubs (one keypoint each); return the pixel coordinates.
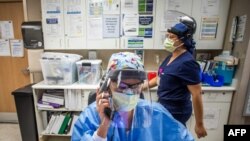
(179, 76)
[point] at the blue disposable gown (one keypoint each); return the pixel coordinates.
(162, 128)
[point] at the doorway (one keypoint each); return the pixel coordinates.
(12, 69)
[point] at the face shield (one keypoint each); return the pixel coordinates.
(187, 23)
(132, 106)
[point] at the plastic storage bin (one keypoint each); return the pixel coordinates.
(59, 68)
(89, 71)
(227, 71)
(26, 113)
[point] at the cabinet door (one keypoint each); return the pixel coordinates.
(53, 24)
(140, 43)
(216, 107)
(138, 26)
(219, 12)
(103, 23)
(11, 68)
(215, 116)
(165, 17)
(75, 24)
(103, 43)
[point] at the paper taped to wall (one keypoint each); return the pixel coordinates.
(34, 60)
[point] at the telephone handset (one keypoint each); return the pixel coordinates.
(104, 87)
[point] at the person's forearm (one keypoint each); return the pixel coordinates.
(198, 108)
(102, 131)
(152, 83)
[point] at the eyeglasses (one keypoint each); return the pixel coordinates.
(122, 86)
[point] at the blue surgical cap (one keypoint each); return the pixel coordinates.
(182, 31)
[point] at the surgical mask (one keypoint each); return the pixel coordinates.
(169, 45)
(125, 101)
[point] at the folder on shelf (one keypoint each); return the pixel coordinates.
(67, 129)
(50, 125)
(75, 117)
(64, 124)
(53, 128)
(58, 124)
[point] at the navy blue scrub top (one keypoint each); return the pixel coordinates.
(172, 90)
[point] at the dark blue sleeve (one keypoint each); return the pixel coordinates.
(189, 73)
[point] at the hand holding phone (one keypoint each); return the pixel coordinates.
(102, 103)
(105, 97)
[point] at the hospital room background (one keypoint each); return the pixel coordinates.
(40, 37)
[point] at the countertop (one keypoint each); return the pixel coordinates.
(232, 87)
(42, 85)
(209, 88)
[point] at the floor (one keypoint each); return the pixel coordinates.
(10, 132)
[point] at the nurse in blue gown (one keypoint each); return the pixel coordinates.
(132, 118)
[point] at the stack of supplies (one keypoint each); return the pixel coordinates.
(59, 68)
(51, 99)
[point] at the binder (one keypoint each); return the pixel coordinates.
(64, 124)
(69, 124)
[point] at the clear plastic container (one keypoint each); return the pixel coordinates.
(89, 71)
(227, 71)
(59, 68)
(225, 66)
